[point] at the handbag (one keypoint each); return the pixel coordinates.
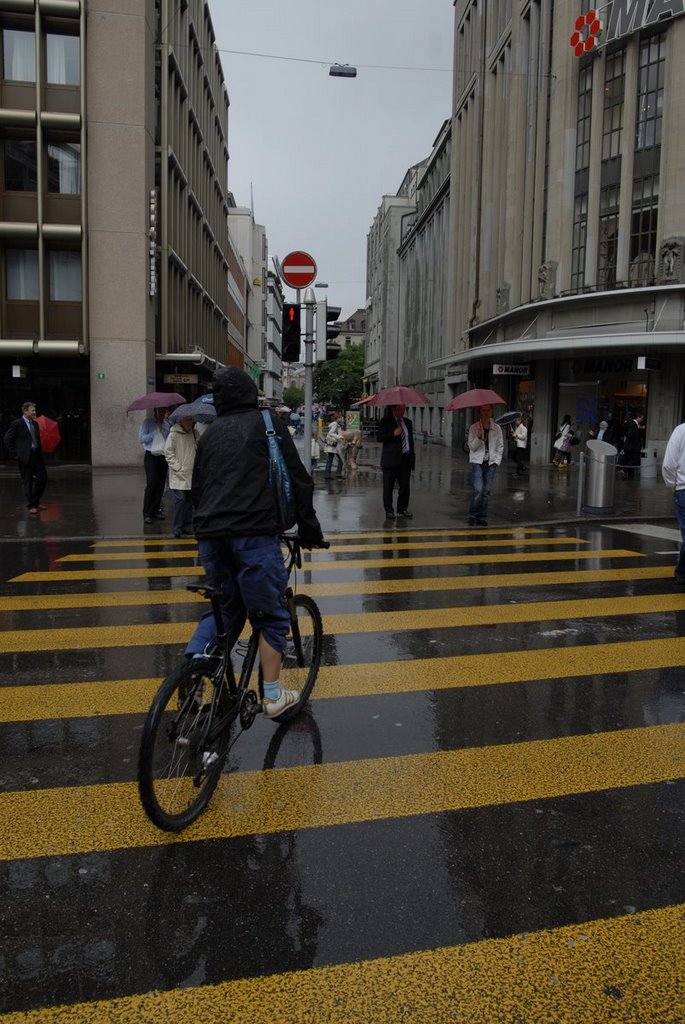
(279, 478)
(575, 440)
(331, 439)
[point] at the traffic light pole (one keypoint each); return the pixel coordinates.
(309, 307)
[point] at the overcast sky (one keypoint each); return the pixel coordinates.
(320, 152)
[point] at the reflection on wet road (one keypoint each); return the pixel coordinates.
(481, 813)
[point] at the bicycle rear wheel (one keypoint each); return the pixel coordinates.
(178, 769)
(302, 655)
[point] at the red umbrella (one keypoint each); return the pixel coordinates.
(399, 395)
(157, 400)
(50, 436)
(473, 399)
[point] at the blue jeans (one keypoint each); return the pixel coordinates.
(252, 576)
(679, 502)
(481, 482)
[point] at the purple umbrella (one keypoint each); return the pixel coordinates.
(157, 400)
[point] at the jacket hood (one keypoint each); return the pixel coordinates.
(234, 389)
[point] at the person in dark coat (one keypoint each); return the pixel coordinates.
(236, 525)
(396, 434)
(22, 441)
(632, 447)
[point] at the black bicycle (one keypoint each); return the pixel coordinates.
(187, 733)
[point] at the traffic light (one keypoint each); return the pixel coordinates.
(326, 331)
(290, 338)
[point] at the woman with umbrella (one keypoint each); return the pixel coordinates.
(179, 453)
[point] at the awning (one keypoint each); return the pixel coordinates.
(564, 347)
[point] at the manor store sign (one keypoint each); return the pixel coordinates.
(620, 18)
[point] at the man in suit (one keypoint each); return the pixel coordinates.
(22, 441)
(396, 434)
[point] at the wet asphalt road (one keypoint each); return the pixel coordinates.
(479, 818)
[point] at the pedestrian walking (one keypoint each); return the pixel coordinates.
(673, 472)
(562, 444)
(632, 447)
(179, 452)
(486, 446)
(153, 435)
(22, 441)
(332, 445)
(520, 435)
(398, 458)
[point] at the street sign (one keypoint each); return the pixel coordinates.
(298, 269)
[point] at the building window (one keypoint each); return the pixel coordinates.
(608, 236)
(650, 92)
(64, 168)
(65, 276)
(20, 166)
(614, 85)
(22, 274)
(643, 229)
(579, 242)
(584, 118)
(19, 55)
(63, 59)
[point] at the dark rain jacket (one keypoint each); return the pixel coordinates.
(230, 491)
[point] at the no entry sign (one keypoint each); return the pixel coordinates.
(298, 269)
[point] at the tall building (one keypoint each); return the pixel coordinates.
(113, 222)
(567, 241)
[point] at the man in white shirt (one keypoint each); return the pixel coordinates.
(486, 445)
(673, 472)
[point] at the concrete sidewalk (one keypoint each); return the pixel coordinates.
(85, 502)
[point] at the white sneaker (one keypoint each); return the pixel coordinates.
(273, 708)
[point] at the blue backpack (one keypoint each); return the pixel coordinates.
(279, 478)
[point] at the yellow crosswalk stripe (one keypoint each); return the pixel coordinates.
(54, 822)
(133, 696)
(335, 538)
(518, 580)
(580, 972)
(159, 633)
(131, 556)
(336, 566)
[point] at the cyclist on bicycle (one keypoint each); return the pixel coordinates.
(237, 530)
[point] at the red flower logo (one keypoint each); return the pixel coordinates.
(588, 27)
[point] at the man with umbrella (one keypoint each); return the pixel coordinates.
(396, 434)
(22, 441)
(486, 446)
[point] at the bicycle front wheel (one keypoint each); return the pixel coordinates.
(302, 655)
(179, 764)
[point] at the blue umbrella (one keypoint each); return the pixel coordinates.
(200, 411)
(505, 419)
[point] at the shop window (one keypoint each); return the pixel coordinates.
(614, 85)
(650, 92)
(22, 274)
(608, 236)
(63, 59)
(64, 168)
(643, 229)
(65, 276)
(19, 55)
(20, 166)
